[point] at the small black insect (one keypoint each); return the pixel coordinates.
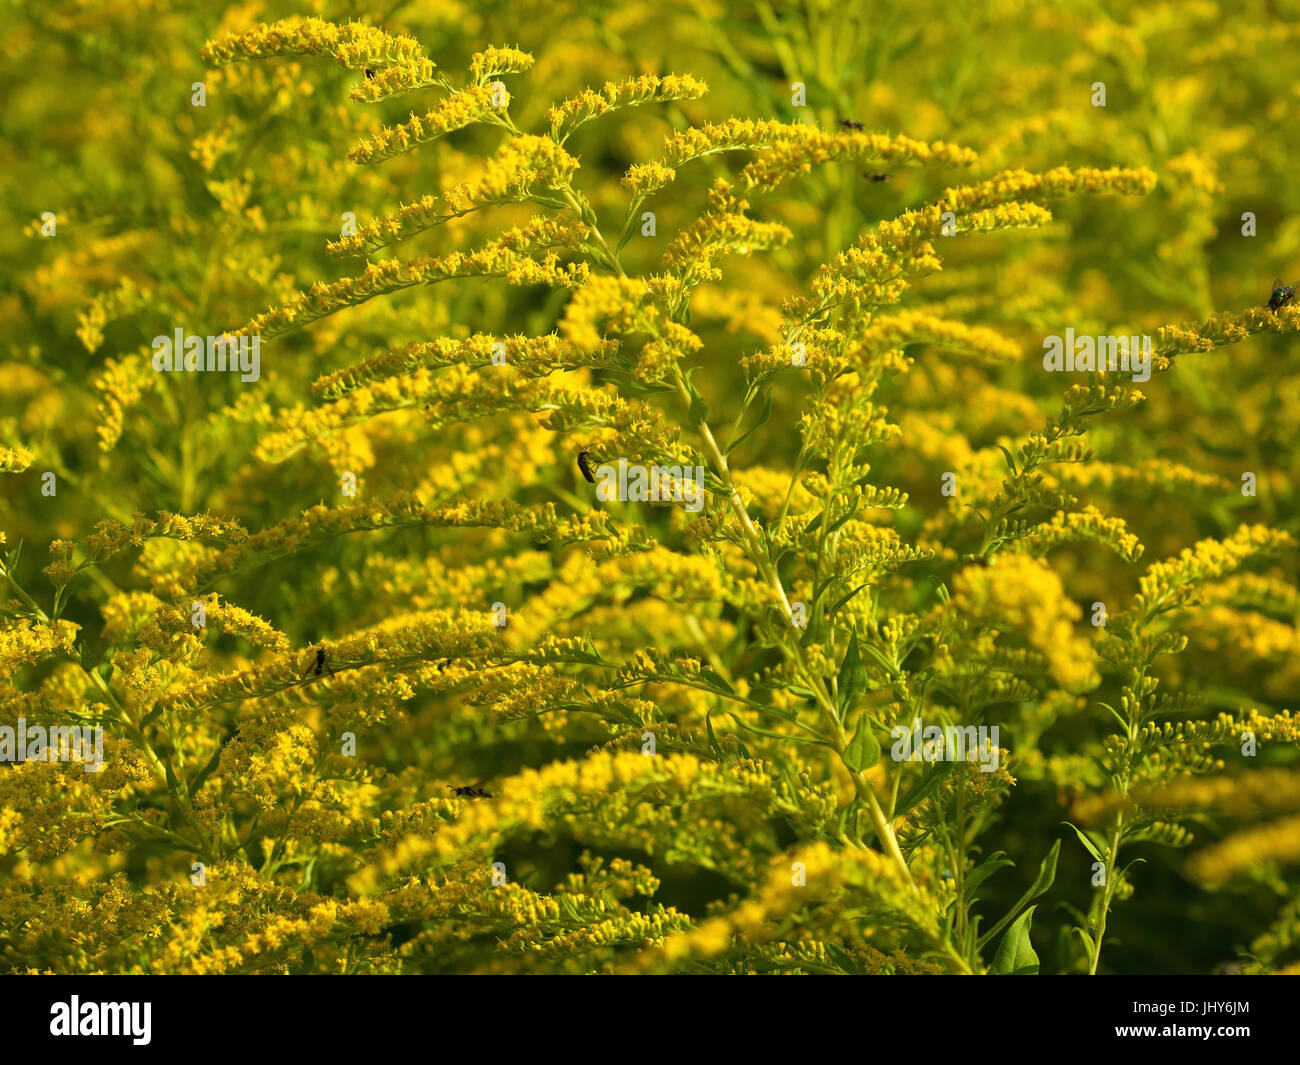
(369, 73)
(587, 466)
(320, 663)
(848, 123)
(876, 177)
(472, 791)
(1283, 295)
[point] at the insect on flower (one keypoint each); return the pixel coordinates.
(319, 663)
(472, 791)
(1283, 295)
(587, 465)
(848, 123)
(876, 177)
(369, 73)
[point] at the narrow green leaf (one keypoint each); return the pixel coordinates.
(843, 960)
(880, 660)
(853, 678)
(745, 726)
(995, 861)
(1086, 842)
(845, 598)
(715, 682)
(1088, 944)
(841, 520)
(1044, 880)
(1046, 873)
(925, 787)
(1011, 463)
(713, 739)
(763, 416)
(699, 410)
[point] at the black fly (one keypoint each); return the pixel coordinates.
(472, 791)
(320, 663)
(848, 123)
(587, 466)
(876, 177)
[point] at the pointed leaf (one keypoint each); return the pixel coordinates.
(925, 787)
(863, 750)
(1046, 876)
(715, 682)
(1010, 461)
(1015, 956)
(763, 415)
(995, 861)
(853, 679)
(844, 599)
(1086, 842)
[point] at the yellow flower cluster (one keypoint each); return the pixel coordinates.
(572, 114)
(370, 638)
(455, 112)
(1025, 594)
(353, 45)
(521, 165)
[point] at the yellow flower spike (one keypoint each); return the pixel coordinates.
(353, 45)
(455, 112)
(572, 114)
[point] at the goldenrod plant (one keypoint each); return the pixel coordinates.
(631, 487)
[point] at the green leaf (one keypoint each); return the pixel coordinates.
(699, 409)
(715, 682)
(841, 520)
(763, 416)
(844, 599)
(995, 861)
(843, 960)
(925, 787)
(1115, 714)
(853, 679)
(1015, 956)
(1086, 842)
(1046, 873)
(633, 217)
(1044, 880)
(1088, 944)
(880, 660)
(863, 750)
(745, 726)
(1010, 461)
(713, 739)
